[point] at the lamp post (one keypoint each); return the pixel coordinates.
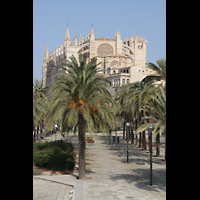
(151, 128)
(55, 131)
(127, 136)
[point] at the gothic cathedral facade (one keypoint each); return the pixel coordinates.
(122, 62)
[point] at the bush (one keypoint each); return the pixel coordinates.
(61, 161)
(54, 155)
(65, 146)
(41, 157)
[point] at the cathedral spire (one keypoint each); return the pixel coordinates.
(46, 54)
(92, 34)
(67, 37)
(118, 35)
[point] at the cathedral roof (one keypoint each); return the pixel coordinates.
(103, 38)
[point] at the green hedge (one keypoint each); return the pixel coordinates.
(56, 155)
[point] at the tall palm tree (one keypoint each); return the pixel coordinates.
(39, 89)
(81, 96)
(39, 101)
(120, 96)
(156, 110)
(133, 104)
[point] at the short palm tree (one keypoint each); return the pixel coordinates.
(81, 96)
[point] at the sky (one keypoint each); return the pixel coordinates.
(132, 17)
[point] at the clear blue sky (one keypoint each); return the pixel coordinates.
(132, 17)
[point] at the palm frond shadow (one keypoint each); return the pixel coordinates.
(140, 178)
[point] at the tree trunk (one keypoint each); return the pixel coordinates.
(140, 140)
(158, 145)
(37, 132)
(81, 144)
(144, 147)
(124, 131)
(75, 129)
(140, 115)
(136, 136)
(165, 144)
(132, 134)
(35, 129)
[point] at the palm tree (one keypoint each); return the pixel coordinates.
(120, 97)
(81, 96)
(39, 89)
(133, 105)
(156, 110)
(39, 103)
(160, 69)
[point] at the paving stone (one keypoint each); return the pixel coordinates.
(121, 178)
(111, 177)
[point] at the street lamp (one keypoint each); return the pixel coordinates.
(55, 131)
(151, 128)
(127, 136)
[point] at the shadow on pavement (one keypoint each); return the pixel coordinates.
(135, 153)
(141, 178)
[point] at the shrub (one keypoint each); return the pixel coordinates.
(65, 146)
(41, 157)
(54, 155)
(61, 161)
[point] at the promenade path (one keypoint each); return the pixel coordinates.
(109, 176)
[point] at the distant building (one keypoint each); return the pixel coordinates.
(123, 62)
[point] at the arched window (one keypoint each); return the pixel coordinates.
(123, 81)
(127, 70)
(127, 81)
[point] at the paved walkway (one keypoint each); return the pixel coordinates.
(109, 176)
(49, 190)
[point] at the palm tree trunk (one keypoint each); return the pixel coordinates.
(132, 134)
(81, 140)
(165, 144)
(35, 129)
(158, 145)
(37, 133)
(140, 140)
(144, 147)
(136, 136)
(124, 130)
(140, 132)
(75, 129)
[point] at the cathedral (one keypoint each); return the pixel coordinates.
(122, 62)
